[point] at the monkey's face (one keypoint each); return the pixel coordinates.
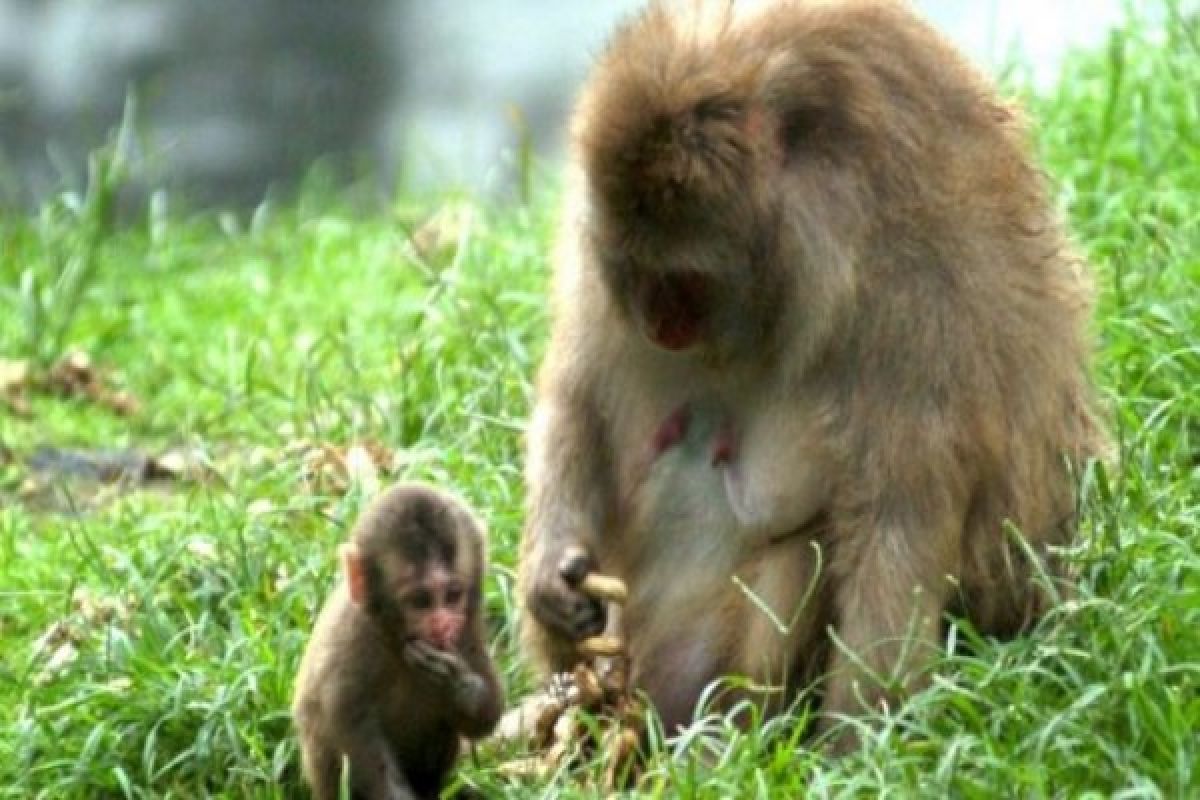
(426, 602)
(707, 294)
(436, 610)
(687, 250)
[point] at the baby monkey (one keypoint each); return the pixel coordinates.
(397, 668)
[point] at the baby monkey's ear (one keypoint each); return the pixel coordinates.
(356, 573)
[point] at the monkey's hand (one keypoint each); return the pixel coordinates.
(556, 598)
(450, 671)
(443, 667)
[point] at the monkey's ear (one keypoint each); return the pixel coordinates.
(356, 575)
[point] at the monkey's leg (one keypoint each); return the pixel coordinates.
(674, 672)
(778, 639)
(374, 771)
(888, 603)
(1012, 580)
(760, 628)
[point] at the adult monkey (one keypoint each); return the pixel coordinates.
(818, 344)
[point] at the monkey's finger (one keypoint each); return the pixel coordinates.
(575, 565)
(432, 660)
(416, 656)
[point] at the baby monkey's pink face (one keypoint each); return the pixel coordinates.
(434, 604)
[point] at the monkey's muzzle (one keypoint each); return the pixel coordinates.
(675, 308)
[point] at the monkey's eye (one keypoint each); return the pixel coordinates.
(421, 600)
(454, 594)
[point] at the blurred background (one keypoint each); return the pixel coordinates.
(235, 97)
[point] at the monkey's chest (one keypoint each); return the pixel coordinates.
(676, 502)
(707, 524)
(710, 485)
(423, 740)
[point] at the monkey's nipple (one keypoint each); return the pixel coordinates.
(673, 430)
(724, 447)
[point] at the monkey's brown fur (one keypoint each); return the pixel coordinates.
(360, 694)
(816, 326)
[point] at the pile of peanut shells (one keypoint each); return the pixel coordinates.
(588, 712)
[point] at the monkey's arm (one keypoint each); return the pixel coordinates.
(482, 703)
(569, 484)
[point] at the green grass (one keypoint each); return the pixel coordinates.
(320, 322)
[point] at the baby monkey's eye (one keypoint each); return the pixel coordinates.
(454, 593)
(421, 600)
